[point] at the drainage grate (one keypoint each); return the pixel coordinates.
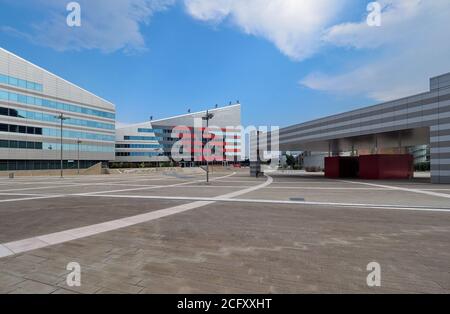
(297, 199)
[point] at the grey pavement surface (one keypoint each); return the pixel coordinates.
(173, 234)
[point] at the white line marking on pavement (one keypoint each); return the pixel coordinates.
(33, 243)
(46, 187)
(4, 251)
(46, 196)
(68, 184)
(25, 194)
(153, 187)
(397, 188)
(31, 198)
(268, 201)
(324, 188)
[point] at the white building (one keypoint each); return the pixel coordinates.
(31, 99)
(151, 142)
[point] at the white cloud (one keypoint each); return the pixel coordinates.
(294, 26)
(106, 25)
(411, 44)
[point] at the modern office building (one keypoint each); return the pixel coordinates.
(397, 125)
(32, 101)
(151, 142)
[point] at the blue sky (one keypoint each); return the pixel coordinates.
(286, 61)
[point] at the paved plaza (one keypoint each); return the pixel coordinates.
(173, 233)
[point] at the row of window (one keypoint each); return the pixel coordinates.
(138, 154)
(142, 130)
(76, 134)
(39, 116)
(31, 100)
(142, 138)
(168, 139)
(20, 144)
(82, 147)
(12, 165)
(9, 80)
(143, 146)
(54, 146)
(12, 128)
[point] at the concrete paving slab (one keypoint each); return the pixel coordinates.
(219, 247)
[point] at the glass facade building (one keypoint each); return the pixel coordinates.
(31, 100)
(152, 142)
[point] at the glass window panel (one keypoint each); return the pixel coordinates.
(30, 100)
(22, 98)
(13, 81)
(13, 97)
(22, 83)
(4, 95)
(3, 79)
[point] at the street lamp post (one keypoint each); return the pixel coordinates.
(208, 117)
(61, 117)
(78, 154)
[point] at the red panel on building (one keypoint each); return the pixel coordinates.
(332, 167)
(341, 167)
(376, 167)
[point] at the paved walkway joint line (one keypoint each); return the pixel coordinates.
(25, 245)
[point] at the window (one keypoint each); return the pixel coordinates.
(142, 138)
(12, 81)
(72, 121)
(22, 83)
(13, 113)
(3, 79)
(4, 95)
(3, 127)
(53, 104)
(4, 144)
